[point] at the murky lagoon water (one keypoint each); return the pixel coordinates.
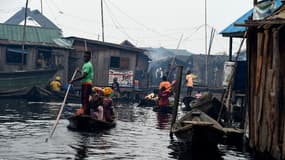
(140, 134)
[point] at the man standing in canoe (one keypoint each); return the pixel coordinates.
(189, 83)
(86, 77)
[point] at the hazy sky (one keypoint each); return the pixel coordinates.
(145, 23)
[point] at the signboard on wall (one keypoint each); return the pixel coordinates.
(228, 72)
(125, 78)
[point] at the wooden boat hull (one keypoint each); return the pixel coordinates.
(14, 84)
(147, 103)
(187, 100)
(37, 93)
(164, 109)
(208, 104)
(87, 123)
(198, 128)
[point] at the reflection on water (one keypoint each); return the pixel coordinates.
(140, 134)
(163, 120)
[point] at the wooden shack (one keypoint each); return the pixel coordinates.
(41, 51)
(123, 61)
(44, 48)
(266, 78)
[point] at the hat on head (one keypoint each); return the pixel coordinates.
(57, 78)
(107, 91)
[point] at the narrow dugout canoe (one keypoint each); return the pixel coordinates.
(88, 123)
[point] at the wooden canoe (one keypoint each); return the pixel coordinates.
(208, 104)
(197, 128)
(88, 123)
(16, 84)
(164, 109)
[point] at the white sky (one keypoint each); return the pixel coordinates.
(145, 23)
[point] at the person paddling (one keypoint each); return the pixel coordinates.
(165, 83)
(87, 74)
(163, 97)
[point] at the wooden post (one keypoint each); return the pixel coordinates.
(102, 19)
(42, 7)
(206, 46)
(231, 49)
(176, 98)
(24, 35)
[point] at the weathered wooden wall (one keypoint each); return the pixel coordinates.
(59, 57)
(215, 68)
(266, 56)
(3, 58)
(100, 59)
(141, 70)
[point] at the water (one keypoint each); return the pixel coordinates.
(140, 134)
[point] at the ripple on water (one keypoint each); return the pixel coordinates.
(140, 134)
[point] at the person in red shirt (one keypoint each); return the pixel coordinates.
(163, 97)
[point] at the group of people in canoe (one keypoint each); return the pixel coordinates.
(96, 101)
(160, 96)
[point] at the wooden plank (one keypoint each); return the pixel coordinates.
(276, 91)
(201, 123)
(260, 117)
(251, 79)
(259, 61)
(234, 130)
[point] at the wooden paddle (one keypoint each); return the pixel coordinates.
(61, 108)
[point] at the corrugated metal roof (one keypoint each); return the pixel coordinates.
(33, 34)
(134, 49)
(63, 42)
(18, 17)
(238, 31)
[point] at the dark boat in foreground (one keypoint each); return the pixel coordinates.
(88, 123)
(197, 128)
(208, 104)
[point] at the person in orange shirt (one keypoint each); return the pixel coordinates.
(189, 83)
(165, 83)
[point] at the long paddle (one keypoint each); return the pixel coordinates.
(61, 108)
